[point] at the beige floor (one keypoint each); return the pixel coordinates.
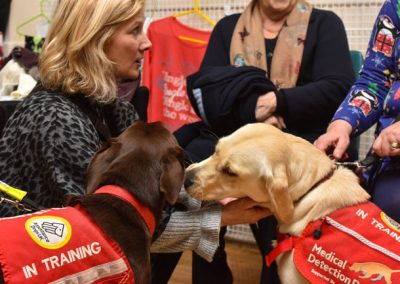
(244, 260)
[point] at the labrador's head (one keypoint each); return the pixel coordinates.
(261, 162)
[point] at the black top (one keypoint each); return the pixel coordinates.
(270, 48)
(225, 96)
(326, 72)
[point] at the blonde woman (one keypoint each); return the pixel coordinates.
(49, 140)
(47, 143)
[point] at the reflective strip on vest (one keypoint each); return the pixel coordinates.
(95, 273)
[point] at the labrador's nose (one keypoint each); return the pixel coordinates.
(189, 177)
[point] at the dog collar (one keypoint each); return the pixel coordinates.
(145, 213)
(324, 179)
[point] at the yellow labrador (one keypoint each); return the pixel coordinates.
(287, 174)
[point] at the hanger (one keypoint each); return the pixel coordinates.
(38, 16)
(195, 10)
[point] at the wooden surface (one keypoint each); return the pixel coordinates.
(244, 261)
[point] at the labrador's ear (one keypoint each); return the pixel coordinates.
(172, 175)
(277, 189)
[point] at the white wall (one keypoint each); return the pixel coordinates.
(21, 11)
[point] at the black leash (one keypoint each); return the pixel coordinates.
(84, 104)
(370, 159)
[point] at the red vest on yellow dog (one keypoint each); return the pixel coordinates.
(358, 244)
(61, 245)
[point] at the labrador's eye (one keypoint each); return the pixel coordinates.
(228, 171)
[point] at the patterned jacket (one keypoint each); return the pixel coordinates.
(375, 96)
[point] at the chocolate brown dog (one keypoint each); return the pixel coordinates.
(128, 181)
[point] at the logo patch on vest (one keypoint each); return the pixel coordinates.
(50, 232)
(390, 222)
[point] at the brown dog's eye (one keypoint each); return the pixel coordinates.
(103, 148)
(228, 171)
(106, 145)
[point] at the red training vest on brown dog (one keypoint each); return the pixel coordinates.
(58, 246)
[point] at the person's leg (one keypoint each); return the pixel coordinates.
(162, 266)
(386, 193)
(267, 233)
(215, 272)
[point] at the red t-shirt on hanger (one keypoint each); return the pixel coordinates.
(166, 66)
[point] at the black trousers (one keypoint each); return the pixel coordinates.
(264, 234)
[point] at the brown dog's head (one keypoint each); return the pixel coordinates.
(145, 159)
(261, 162)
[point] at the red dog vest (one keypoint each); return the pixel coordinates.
(359, 244)
(64, 245)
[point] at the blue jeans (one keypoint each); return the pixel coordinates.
(386, 193)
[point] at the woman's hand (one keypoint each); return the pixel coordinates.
(266, 106)
(276, 120)
(337, 137)
(388, 141)
(242, 211)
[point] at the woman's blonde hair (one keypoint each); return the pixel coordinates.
(73, 59)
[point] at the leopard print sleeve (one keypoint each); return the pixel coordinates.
(46, 147)
(123, 114)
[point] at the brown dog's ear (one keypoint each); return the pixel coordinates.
(281, 201)
(99, 164)
(172, 176)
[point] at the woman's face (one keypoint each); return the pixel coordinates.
(126, 48)
(278, 7)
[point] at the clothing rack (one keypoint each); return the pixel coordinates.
(197, 11)
(41, 16)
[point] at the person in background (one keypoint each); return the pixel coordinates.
(280, 62)
(374, 99)
(49, 140)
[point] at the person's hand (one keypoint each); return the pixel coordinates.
(266, 106)
(337, 137)
(388, 141)
(242, 211)
(276, 120)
